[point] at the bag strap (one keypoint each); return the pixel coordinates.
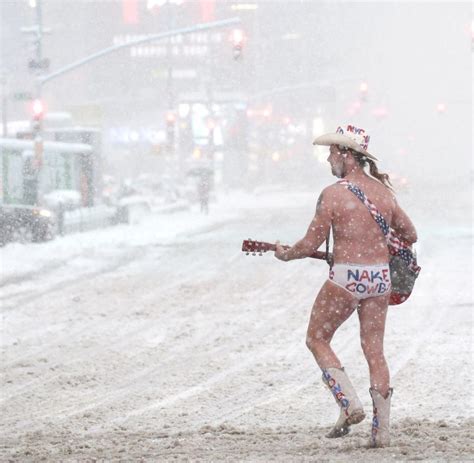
(328, 259)
(395, 245)
(378, 217)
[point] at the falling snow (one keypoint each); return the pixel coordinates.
(155, 338)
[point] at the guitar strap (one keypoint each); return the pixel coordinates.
(377, 216)
(395, 245)
(328, 259)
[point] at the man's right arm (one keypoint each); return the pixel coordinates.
(316, 233)
(403, 226)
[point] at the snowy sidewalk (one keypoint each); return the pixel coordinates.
(77, 254)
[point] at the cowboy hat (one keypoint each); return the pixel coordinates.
(352, 137)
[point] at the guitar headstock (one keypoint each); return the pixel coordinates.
(255, 247)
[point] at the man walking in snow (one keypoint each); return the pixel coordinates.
(203, 188)
(359, 277)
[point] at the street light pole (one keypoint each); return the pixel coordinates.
(170, 112)
(3, 82)
(38, 64)
(38, 122)
(151, 38)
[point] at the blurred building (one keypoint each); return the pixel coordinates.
(129, 93)
(299, 70)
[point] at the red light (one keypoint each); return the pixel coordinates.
(211, 124)
(38, 108)
(364, 87)
(354, 108)
(237, 36)
(130, 11)
(208, 10)
(170, 117)
(380, 112)
(265, 112)
(441, 107)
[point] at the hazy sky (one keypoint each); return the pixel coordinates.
(415, 55)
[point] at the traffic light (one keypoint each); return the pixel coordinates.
(363, 90)
(441, 108)
(238, 42)
(38, 109)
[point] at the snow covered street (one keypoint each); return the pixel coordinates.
(161, 341)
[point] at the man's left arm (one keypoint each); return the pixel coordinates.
(316, 234)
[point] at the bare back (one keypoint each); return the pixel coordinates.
(357, 237)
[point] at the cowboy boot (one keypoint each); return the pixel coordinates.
(352, 411)
(380, 436)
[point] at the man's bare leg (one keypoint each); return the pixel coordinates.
(372, 316)
(332, 307)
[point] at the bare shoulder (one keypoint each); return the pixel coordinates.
(330, 193)
(330, 198)
(334, 192)
(385, 199)
(326, 199)
(381, 190)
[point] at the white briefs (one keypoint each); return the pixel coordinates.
(363, 281)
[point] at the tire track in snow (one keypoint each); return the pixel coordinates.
(269, 285)
(125, 389)
(43, 349)
(121, 261)
(220, 377)
(88, 328)
(424, 332)
(35, 274)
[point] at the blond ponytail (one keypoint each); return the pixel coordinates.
(374, 171)
(380, 176)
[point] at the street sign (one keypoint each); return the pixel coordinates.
(22, 96)
(42, 64)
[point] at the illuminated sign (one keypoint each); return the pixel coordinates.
(196, 44)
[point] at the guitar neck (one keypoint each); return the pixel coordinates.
(316, 254)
